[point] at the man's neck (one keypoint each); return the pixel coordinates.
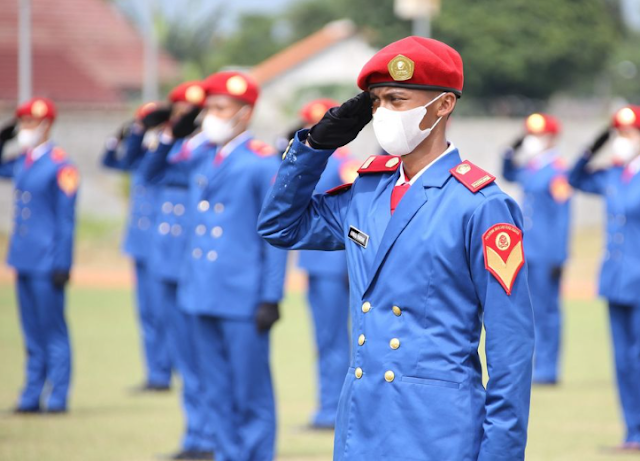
(429, 150)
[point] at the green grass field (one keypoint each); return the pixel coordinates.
(569, 423)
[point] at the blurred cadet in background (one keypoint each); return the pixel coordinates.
(168, 246)
(534, 163)
(434, 251)
(125, 153)
(620, 273)
(41, 251)
(328, 285)
(231, 279)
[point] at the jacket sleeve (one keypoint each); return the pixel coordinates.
(593, 182)
(7, 167)
(509, 169)
(156, 169)
(292, 217)
(274, 259)
(508, 321)
(67, 183)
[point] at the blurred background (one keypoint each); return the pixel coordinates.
(99, 59)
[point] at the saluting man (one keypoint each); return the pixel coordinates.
(620, 274)
(41, 250)
(231, 280)
(125, 153)
(328, 286)
(434, 251)
(168, 246)
(534, 163)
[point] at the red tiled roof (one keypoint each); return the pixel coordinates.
(83, 51)
(302, 50)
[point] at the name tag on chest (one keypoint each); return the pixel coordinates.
(359, 237)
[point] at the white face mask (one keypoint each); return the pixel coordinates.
(532, 145)
(218, 130)
(624, 149)
(28, 138)
(398, 132)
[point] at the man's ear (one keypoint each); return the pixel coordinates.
(447, 105)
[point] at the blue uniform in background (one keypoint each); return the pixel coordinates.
(169, 244)
(546, 209)
(328, 296)
(137, 244)
(45, 190)
(420, 292)
(228, 271)
(620, 275)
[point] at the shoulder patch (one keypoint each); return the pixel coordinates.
(560, 164)
(503, 253)
(261, 148)
(58, 155)
(339, 189)
(560, 189)
(474, 178)
(380, 164)
(68, 179)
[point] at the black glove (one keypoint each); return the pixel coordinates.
(517, 143)
(267, 315)
(341, 125)
(157, 117)
(60, 279)
(124, 131)
(556, 272)
(599, 142)
(8, 131)
(186, 124)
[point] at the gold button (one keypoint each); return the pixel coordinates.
(397, 311)
(358, 372)
(389, 376)
(394, 343)
(366, 307)
(361, 340)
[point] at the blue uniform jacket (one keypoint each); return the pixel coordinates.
(169, 236)
(228, 269)
(620, 271)
(328, 262)
(545, 206)
(419, 295)
(44, 202)
(142, 198)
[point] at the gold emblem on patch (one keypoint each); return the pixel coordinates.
(463, 168)
(391, 163)
(237, 85)
(194, 94)
(626, 116)
(503, 241)
(39, 109)
(68, 180)
(535, 123)
(401, 68)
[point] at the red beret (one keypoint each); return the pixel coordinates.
(627, 117)
(191, 92)
(146, 109)
(542, 124)
(41, 108)
(313, 111)
(414, 62)
(235, 84)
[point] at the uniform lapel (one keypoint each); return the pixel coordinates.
(414, 199)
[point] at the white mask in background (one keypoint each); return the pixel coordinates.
(218, 130)
(624, 149)
(532, 146)
(151, 139)
(398, 131)
(28, 138)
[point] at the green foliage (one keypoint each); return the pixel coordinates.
(625, 69)
(529, 48)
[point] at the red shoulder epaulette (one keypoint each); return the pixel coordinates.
(474, 178)
(380, 164)
(261, 148)
(337, 190)
(58, 155)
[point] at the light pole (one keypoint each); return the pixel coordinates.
(24, 51)
(150, 86)
(418, 11)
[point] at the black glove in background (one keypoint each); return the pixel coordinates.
(8, 131)
(157, 117)
(600, 141)
(60, 279)
(186, 124)
(341, 125)
(267, 315)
